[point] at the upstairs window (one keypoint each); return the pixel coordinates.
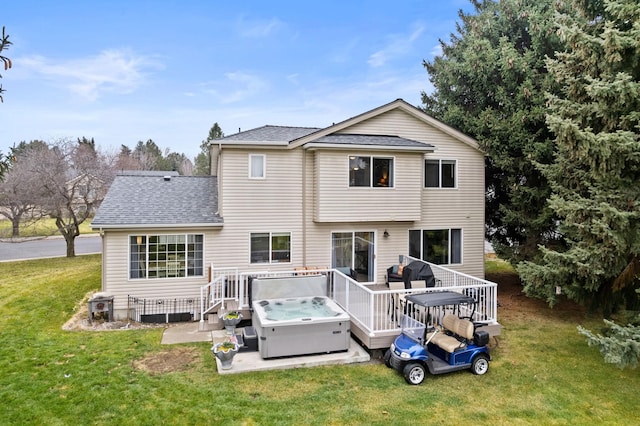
(271, 247)
(370, 172)
(439, 173)
(257, 166)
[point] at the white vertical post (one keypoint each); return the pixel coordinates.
(202, 293)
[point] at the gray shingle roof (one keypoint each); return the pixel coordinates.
(371, 140)
(271, 134)
(289, 134)
(148, 173)
(143, 200)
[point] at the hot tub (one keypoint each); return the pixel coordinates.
(300, 325)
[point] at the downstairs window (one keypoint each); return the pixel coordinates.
(166, 256)
(270, 247)
(438, 246)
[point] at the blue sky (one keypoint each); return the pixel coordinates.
(125, 71)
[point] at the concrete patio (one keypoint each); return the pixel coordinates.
(245, 362)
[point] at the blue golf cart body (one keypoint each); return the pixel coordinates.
(439, 348)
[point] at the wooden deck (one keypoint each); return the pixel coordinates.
(375, 310)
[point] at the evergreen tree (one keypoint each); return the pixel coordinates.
(6, 62)
(620, 345)
(88, 143)
(203, 159)
(149, 156)
(489, 82)
(595, 174)
(4, 165)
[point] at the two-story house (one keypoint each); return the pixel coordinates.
(352, 196)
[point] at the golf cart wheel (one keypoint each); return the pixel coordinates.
(480, 365)
(387, 358)
(414, 373)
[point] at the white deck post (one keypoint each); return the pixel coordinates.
(201, 325)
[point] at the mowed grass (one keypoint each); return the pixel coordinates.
(542, 372)
(41, 228)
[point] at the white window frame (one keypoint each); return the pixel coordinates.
(373, 264)
(263, 160)
(271, 235)
(372, 158)
(144, 238)
(449, 248)
(440, 160)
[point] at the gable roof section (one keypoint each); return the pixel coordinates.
(314, 137)
(152, 201)
(397, 104)
(268, 135)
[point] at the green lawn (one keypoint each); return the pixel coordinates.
(41, 228)
(542, 372)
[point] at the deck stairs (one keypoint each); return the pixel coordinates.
(215, 311)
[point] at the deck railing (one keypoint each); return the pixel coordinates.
(374, 310)
(222, 287)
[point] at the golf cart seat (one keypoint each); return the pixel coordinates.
(454, 334)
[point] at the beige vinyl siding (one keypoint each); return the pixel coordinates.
(462, 207)
(336, 201)
(116, 279)
(400, 123)
(345, 210)
(387, 249)
(306, 193)
(273, 204)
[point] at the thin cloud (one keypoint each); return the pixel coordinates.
(397, 46)
(111, 71)
(258, 29)
(237, 86)
(366, 93)
(345, 52)
(436, 51)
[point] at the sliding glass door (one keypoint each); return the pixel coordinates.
(354, 252)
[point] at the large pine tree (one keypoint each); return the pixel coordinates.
(595, 177)
(203, 159)
(490, 83)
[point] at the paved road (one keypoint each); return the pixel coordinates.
(47, 247)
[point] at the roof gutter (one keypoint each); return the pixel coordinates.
(157, 226)
(260, 144)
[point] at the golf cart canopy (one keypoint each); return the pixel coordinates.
(440, 298)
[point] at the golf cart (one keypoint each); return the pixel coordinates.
(453, 344)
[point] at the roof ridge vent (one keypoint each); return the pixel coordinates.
(167, 178)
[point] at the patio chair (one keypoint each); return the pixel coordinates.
(397, 301)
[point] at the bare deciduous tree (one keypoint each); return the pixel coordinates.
(16, 202)
(72, 181)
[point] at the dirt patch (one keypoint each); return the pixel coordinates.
(175, 359)
(513, 302)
